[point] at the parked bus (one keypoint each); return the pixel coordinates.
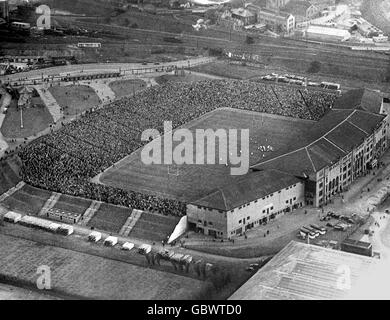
(330, 85)
(321, 230)
(306, 233)
(315, 232)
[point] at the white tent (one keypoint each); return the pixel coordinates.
(12, 217)
(94, 236)
(145, 248)
(111, 241)
(180, 229)
(65, 229)
(128, 246)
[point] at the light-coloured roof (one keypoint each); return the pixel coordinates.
(308, 272)
(328, 31)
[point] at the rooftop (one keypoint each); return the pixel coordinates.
(297, 8)
(245, 189)
(331, 138)
(306, 272)
(328, 31)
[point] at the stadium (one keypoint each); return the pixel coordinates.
(96, 158)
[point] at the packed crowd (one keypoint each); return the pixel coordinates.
(65, 161)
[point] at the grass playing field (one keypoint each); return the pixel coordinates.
(75, 98)
(190, 181)
(123, 88)
(35, 119)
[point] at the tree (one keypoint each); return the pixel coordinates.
(126, 22)
(315, 67)
(249, 40)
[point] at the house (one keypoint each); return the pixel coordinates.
(301, 10)
(245, 16)
(278, 21)
(276, 4)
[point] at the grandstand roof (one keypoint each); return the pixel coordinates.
(331, 138)
(305, 272)
(245, 189)
(363, 99)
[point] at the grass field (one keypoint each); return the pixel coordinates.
(35, 120)
(229, 70)
(84, 275)
(123, 88)
(75, 99)
(154, 227)
(110, 218)
(27, 200)
(190, 181)
(72, 204)
(8, 178)
(186, 78)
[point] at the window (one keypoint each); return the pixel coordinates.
(279, 191)
(239, 221)
(263, 211)
(255, 201)
(295, 198)
(286, 201)
(272, 208)
(248, 218)
(210, 223)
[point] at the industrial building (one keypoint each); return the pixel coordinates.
(326, 33)
(279, 21)
(301, 10)
(307, 272)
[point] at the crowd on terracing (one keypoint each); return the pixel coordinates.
(66, 160)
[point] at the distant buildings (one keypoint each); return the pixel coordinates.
(279, 21)
(276, 4)
(301, 10)
(244, 15)
(4, 9)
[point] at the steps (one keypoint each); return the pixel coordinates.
(50, 203)
(130, 222)
(89, 213)
(11, 191)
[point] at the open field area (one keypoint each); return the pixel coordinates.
(35, 119)
(9, 292)
(123, 88)
(75, 99)
(89, 276)
(8, 178)
(190, 181)
(188, 77)
(223, 68)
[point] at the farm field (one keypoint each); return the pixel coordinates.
(190, 181)
(75, 99)
(123, 88)
(89, 276)
(35, 119)
(154, 227)
(110, 218)
(27, 200)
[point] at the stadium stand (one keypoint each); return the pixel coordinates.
(65, 161)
